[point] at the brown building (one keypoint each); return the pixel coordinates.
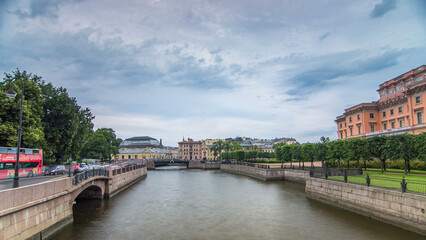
(190, 150)
(400, 109)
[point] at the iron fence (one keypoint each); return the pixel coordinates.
(78, 178)
(402, 184)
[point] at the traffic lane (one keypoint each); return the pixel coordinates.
(25, 181)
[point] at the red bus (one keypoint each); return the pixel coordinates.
(30, 162)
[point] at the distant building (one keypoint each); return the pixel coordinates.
(206, 152)
(190, 150)
(141, 142)
(144, 148)
(399, 110)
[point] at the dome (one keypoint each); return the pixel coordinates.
(140, 142)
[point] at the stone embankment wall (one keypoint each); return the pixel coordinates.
(32, 211)
(400, 209)
(194, 164)
(267, 174)
(124, 179)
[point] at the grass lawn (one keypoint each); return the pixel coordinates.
(415, 183)
(396, 171)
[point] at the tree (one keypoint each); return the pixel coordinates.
(239, 155)
(32, 129)
(308, 154)
(101, 144)
(376, 145)
(420, 145)
(296, 152)
(320, 151)
(354, 150)
(286, 155)
(336, 151)
(401, 147)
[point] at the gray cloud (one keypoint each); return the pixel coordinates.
(382, 8)
(340, 65)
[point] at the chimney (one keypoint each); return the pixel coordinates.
(161, 142)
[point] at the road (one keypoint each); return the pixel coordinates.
(7, 183)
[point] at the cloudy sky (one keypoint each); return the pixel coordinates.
(215, 68)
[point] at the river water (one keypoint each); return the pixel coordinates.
(173, 203)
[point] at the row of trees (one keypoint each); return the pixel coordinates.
(405, 147)
(241, 155)
(52, 121)
(220, 146)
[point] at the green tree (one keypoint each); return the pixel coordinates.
(101, 144)
(354, 150)
(420, 145)
(320, 152)
(308, 153)
(401, 147)
(286, 155)
(376, 145)
(32, 129)
(336, 151)
(296, 151)
(239, 155)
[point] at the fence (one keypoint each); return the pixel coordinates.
(356, 176)
(78, 178)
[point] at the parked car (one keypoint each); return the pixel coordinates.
(58, 169)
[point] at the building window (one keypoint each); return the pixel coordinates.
(400, 110)
(359, 129)
(358, 117)
(392, 125)
(350, 119)
(384, 114)
(340, 125)
(391, 112)
(418, 99)
(401, 123)
(385, 126)
(136, 156)
(350, 131)
(371, 115)
(129, 156)
(419, 117)
(345, 124)
(341, 134)
(122, 157)
(372, 128)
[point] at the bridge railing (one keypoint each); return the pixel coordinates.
(78, 178)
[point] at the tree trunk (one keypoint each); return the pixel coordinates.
(365, 165)
(406, 166)
(382, 165)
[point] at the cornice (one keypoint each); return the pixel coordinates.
(392, 102)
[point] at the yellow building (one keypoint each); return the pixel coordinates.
(145, 154)
(206, 153)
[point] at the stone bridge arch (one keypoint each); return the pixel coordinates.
(93, 188)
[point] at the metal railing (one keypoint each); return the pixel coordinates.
(329, 172)
(402, 184)
(80, 177)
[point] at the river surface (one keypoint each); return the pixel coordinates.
(173, 203)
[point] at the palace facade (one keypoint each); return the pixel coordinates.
(399, 110)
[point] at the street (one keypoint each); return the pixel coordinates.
(25, 181)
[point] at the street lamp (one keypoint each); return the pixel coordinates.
(11, 94)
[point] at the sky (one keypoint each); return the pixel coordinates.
(215, 68)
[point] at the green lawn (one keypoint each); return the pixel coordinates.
(415, 183)
(396, 171)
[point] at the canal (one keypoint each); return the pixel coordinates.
(173, 203)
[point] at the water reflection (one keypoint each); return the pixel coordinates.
(194, 204)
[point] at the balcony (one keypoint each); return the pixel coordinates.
(393, 131)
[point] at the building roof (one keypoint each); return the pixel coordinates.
(140, 142)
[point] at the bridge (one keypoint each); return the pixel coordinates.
(170, 162)
(37, 211)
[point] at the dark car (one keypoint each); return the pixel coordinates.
(58, 169)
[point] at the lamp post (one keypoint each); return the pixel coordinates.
(11, 94)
